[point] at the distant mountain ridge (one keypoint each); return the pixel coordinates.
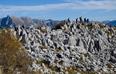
(8, 22)
(110, 23)
(11, 21)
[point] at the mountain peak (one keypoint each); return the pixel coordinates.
(6, 22)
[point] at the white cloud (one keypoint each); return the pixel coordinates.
(70, 4)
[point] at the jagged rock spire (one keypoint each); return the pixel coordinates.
(81, 20)
(76, 20)
(68, 20)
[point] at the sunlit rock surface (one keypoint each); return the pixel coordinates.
(78, 47)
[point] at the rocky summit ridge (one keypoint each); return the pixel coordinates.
(70, 47)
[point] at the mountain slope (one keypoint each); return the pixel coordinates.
(81, 46)
(69, 47)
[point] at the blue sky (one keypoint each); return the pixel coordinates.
(60, 9)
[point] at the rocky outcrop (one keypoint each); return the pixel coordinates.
(73, 44)
(67, 46)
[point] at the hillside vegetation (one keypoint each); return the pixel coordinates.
(13, 57)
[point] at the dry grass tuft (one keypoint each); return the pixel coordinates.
(13, 57)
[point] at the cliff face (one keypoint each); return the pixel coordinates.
(81, 46)
(67, 47)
